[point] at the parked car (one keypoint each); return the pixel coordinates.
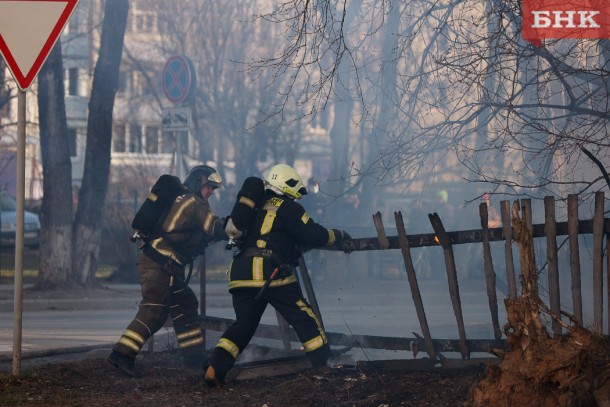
(8, 223)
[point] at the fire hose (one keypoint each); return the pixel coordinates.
(267, 283)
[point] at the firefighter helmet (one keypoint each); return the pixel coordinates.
(201, 175)
(284, 179)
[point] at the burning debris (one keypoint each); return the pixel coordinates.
(538, 369)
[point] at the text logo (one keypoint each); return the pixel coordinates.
(547, 19)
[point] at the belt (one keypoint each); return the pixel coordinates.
(266, 253)
(159, 258)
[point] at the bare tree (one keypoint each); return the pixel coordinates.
(5, 90)
(92, 196)
(475, 101)
(56, 211)
(239, 118)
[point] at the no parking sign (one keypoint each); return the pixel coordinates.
(179, 79)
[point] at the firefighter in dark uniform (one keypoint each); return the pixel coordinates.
(190, 225)
(278, 233)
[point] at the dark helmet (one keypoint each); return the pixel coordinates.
(201, 175)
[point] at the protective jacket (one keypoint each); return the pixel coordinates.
(280, 230)
(187, 229)
(279, 234)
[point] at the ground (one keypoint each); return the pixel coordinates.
(162, 381)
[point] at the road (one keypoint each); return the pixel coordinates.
(370, 307)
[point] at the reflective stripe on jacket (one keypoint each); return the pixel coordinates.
(283, 226)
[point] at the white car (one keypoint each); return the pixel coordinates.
(8, 223)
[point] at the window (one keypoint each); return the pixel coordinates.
(124, 82)
(151, 134)
(73, 81)
(167, 143)
(74, 23)
(72, 135)
(143, 21)
(135, 138)
(118, 138)
(140, 84)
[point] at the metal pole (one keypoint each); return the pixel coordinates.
(18, 301)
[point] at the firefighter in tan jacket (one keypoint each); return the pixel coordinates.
(188, 228)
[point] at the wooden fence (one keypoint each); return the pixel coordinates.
(598, 226)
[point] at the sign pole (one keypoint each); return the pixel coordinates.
(18, 300)
(28, 33)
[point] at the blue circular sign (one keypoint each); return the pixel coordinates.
(178, 79)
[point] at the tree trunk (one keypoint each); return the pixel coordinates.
(92, 196)
(56, 212)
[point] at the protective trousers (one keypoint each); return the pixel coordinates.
(164, 292)
(289, 302)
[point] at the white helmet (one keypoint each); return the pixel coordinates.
(283, 179)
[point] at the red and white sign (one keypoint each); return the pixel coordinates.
(28, 31)
(547, 19)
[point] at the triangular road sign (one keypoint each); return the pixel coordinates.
(28, 31)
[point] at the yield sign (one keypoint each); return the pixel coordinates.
(28, 31)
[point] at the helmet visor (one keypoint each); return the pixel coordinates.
(215, 181)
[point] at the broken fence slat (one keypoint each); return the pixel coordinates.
(363, 341)
(575, 257)
(490, 275)
(454, 290)
(458, 237)
(381, 236)
(413, 285)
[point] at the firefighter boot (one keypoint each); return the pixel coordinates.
(213, 378)
(123, 363)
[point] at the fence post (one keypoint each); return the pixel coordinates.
(550, 229)
(311, 295)
(598, 240)
(528, 259)
(202, 292)
(575, 257)
(415, 293)
(454, 291)
(136, 247)
(507, 232)
(490, 275)
(607, 233)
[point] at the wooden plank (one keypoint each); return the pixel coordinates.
(507, 232)
(454, 291)
(269, 368)
(395, 365)
(457, 237)
(553, 267)
(415, 293)
(364, 341)
(608, 266)
(461, 363)
(404, 365)
(490, 275)
(524, 207)
(311, 295)
(526, 216)
(598, 265)
(381, 236)
(575, 257)
(202, 290)
(202, 286)
(284, 330)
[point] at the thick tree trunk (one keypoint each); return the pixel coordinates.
(92, 197)
(56, 212)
